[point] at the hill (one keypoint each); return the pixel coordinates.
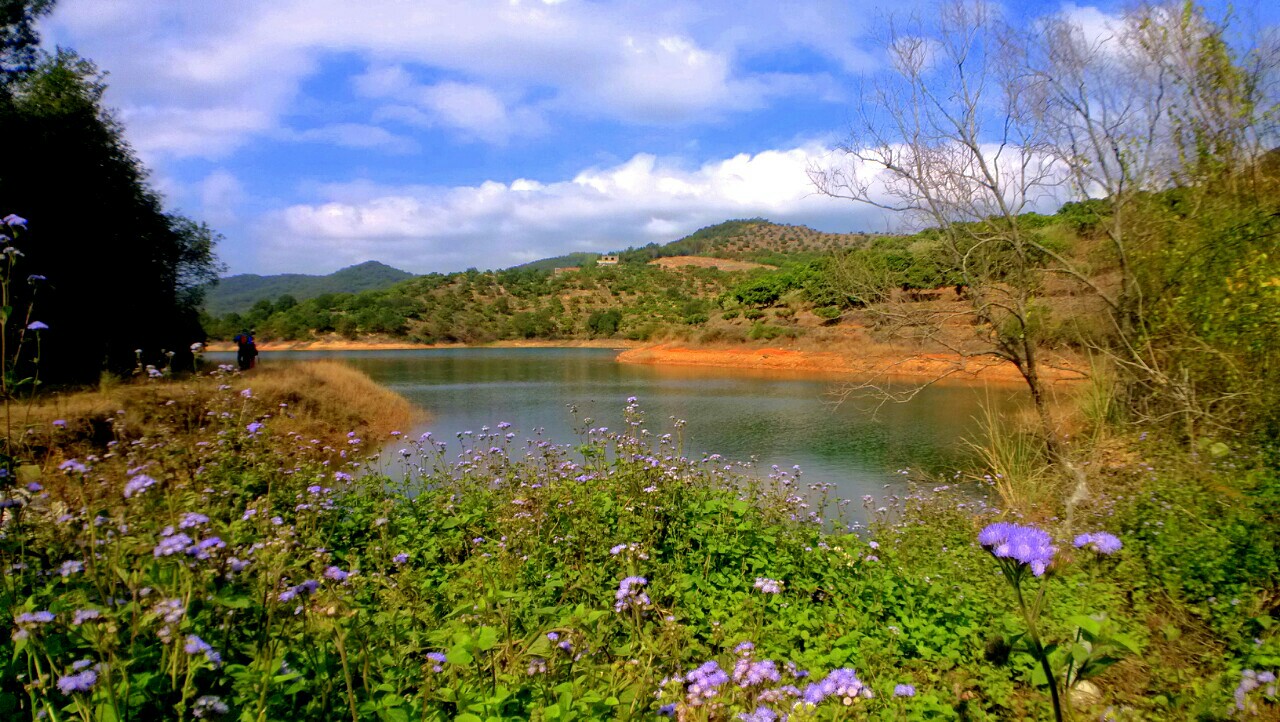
(238, 293)
(753, 239)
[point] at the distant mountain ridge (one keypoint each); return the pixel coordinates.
(238, 293)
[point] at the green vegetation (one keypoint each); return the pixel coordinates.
(198, 551)
(99, 235)
(628, 300)
(237, 294)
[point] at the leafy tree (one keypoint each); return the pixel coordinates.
(98, 232)
(19, 43)
(604, 323)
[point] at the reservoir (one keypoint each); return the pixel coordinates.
(764, 417)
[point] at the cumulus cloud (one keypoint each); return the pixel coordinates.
(493, 225)
(201, 80)
(473, 112)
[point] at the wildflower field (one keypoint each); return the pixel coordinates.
(227, 570)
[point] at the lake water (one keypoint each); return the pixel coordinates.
(769, 417)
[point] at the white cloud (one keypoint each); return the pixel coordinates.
(1097, 28)
(221, 194)
(494, 225)
(473, 111)
(203, 79)
(355, 135)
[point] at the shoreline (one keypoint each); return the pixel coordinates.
(871, 362)
(878, 362)
(344, 345)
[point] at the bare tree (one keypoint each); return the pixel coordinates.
(1157, 102)
(945, 141)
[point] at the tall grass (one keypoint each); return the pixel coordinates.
(1013, 461)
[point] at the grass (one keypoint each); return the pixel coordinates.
(254, 574)
(318, 399)
(1013, 461)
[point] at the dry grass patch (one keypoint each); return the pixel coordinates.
(320, 399)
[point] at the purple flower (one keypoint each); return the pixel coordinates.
(254, 428)
(439, 659)
(761, 714)
(842, 683)
(192, 519)
(336, 574)
(705, 682)
(70, 567)
(1099, 541)
(747, 673)
(171, 545)
(400, 558)
(202, 548)
(72, 465)
(80, 616)
(904, 690)
(170, 610)
(60, 423)
(196, 645)
(630, 594)
(768, 586)
(32, 618)
(1024, 544)
(208, 705)
(137, 485)
(80, 682)
(37, 326)
(15, 220)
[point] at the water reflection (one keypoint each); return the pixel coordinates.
(771, 417)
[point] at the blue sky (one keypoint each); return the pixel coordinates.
(435, 135)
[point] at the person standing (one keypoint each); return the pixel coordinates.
(246, 351)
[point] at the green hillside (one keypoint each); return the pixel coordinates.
(239, 293)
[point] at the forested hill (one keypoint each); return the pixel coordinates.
(239, 293)
(753, 239)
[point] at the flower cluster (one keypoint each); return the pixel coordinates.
(196, 645)
(305, 588)
(842, 684)
(1024, 544)
(137, 485)
(769, 586)
(1099, 541)
(209, 706)
(82, 678)
(705, 682)
(631, 594)
(1249, 681)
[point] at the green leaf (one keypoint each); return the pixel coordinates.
(487, 639)
(459, 655)
(1088, 624)
(228, 598)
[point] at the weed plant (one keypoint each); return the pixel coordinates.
(252, 572)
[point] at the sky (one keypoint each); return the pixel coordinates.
(437, 135)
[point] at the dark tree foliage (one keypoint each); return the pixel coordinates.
(122, 273)
(18, 38)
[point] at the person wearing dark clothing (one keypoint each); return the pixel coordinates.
(246, 351)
